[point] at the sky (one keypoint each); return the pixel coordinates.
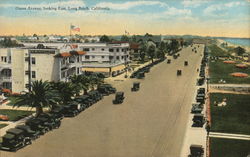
(224, 18)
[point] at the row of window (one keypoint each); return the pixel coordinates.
(110, 57)
(33, 60)
(33, 73)
(5, 59)
(110, 49)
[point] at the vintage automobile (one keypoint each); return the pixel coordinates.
(106, 89)
(196, 151)
(95, 95)
(28, 132)
(197, 108)
(186, 63)
(200, 99)
(52, 119)
(119, 97)
(136, 86)
(201, 91)
(37, 126)
(179, 72)
(70, 110)
(140, 75)
(57, 112)
(169, 61)
(85, 100)
(20, 134)
(198, 120)
(201, 81)
(11, 143)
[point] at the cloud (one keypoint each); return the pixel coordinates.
(174, 11)
(219, 9)
(193, 3)
(71, 3)
(128, 5)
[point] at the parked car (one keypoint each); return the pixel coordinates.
(37, 126)
(28, 132)
(186, 63)
(140, 75)
(119, 97)
(198, 120)
(136, 86)
(197, 108)
(106, 89)
(169, 61)
(196, 151)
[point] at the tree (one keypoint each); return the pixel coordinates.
(174, 45)
(151, 51)
(239, 50)
(142, 50)
(133, 38)
(41, 95)
(67, 91)
(125, 38)
(104, 39)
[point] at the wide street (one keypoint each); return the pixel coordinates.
(150, 122)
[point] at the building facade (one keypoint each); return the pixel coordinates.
(58, 62)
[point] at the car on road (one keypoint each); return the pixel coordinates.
(28, 132)
(169, 61)
(186, 63)
(196, 151)
(198, 120)
(119, 97)
(179, 72)
(136, 86)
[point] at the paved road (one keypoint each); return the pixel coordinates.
(150, 123)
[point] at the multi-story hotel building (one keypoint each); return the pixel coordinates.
(58, 61)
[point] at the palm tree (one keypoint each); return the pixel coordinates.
(94, 80)
(41, 95)
(67, 91)
(82, 82)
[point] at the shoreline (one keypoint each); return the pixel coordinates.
(220, 41)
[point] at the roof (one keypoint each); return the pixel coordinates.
(134, 46)
(68, 54)
(15, 131)
(64, 54)
(77, 52)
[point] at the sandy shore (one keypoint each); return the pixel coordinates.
(220, 41)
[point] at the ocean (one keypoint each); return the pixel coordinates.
(238, 41)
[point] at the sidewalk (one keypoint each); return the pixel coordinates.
(229, 136)
(194, 135)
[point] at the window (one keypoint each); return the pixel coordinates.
(86, 57)
(111, 50)
(93, 56)
(33, 60)
(85, 49)
(78, 59)
(117, 57)
(102, 57)
(111, 57)
(122, 50)
(103, 49)
(33, 75)
(78, 70)
(117, 50)
(93, 49)
(9, 59)
(27, 72)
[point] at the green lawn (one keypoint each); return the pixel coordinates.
(217, 51)
(219, 70)
(15, 114)
(232, 118)
(3, 125)
(229, 147)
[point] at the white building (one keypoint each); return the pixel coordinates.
(58, 61)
